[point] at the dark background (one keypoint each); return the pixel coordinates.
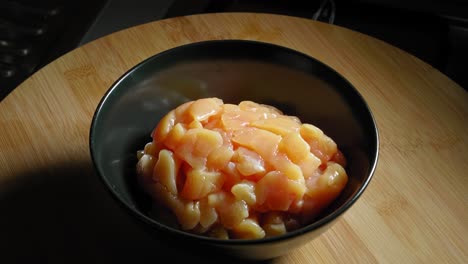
(35, 32)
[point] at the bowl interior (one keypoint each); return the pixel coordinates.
(233, 71)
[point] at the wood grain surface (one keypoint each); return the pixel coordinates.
(54, 210)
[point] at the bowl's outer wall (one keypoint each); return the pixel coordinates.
(233, 71)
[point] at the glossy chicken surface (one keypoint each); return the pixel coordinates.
(243, 171)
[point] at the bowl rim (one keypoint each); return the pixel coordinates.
(328, 219)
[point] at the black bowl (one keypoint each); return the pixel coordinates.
(233, 70)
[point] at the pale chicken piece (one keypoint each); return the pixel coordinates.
(197, 144)
(195, 124)
(219, 232)
(267, 110)
(320, 144)
(295, 147)
(274, 229)
(174, 137)
(280, 125)
(281, 163)
(199, 183)
(309, 165)
(166, 170)
(245, 190)
(188, 215)
(334, 177)
(323, 189)
(233, 118)
(140, 154)
(164, 126)
(226, 135)
(152, 148)
(202, 109)
(214, 122)
(276, 192)
(230, 118)
(265, 143)
(160, 193)
(204, 140)
(233, 212)
(249, 106)
(230, 210)
(145, 168)
(199, 229)
(293, 118)
(187, 212)
(248, 162)
(219, 158)
(248, 229)
(273, 224)
(208, 214)
(181, 113)
(231, 175)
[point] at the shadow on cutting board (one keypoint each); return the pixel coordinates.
(64, 215)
